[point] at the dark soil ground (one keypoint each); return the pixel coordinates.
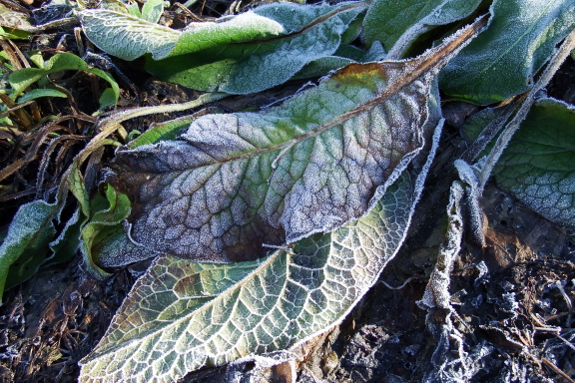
(513, 317)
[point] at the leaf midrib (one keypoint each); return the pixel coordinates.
(433, 60)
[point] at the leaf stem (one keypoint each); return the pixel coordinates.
(110, 124)
(554, 63)
(489, 132)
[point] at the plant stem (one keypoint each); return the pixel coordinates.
(110, 124)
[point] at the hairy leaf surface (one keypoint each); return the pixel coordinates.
(25, 246)
(537, 165)
(125, 36)
(390, 22)
(241, 54)
(502, 61)
(152, 10)
(183, 315)
(307, 166)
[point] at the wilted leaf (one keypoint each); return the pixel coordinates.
(502, 61)
(537, 165)
(11, 20)
(241, 54)
(307, 166)
(183, 315)
(390, 22)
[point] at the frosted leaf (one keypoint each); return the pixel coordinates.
(502, 61)
(125, 36)
(25, 246)
(183, 315)
(239, 54)
(320, 160)
(537, 165)
(152, 10)
(401, 22)
(310, 33)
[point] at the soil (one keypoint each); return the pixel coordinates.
(512, 317)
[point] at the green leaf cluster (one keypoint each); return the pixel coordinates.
(21, 79)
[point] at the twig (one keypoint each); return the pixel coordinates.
(559, 285)
(399, 287)
(568, 343)
(557, 370)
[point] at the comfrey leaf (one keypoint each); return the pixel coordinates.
(183, 315)
(241, 54)
(125, 36)
(502, 61)
(152, 10)
(318, 161)
(401, 22)
(537, 165)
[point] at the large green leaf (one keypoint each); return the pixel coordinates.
(307, 166)
(242, 54)
(125, 36)
(390, 21)
(502, 61)
(537, 165)
(182, 315)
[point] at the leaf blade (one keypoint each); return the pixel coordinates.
(537, 166)
(27, 241)
(125, 36)
(390, 21)
(302, 34)
(285, 173)
(23, 78)
(502, 61)
(217, 313)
